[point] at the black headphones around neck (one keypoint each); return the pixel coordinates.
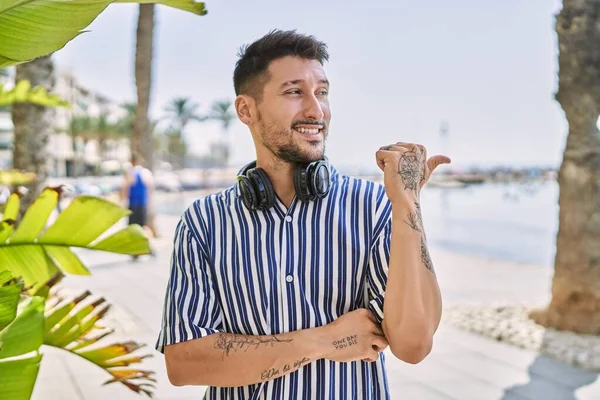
(311, 182)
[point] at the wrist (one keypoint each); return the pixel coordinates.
(405, 203)
(320, 342)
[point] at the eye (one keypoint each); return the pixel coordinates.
(323, 93)
(293, 91)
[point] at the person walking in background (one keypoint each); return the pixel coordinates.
(137, 190)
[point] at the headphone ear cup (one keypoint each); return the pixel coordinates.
(263, 188)
(320, 179)
(301, 185)
(247, 192)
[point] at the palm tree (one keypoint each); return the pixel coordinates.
(181, 111)
(222, 111)
(141, 141)
(575, 303)
(33, 126)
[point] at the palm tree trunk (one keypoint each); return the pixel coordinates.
(32, 127)
(142, 141)
(575, 304)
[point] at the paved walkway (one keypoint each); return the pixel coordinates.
(462, 366)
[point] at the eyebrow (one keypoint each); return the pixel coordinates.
(297, 81)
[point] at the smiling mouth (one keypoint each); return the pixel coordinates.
(310, 131)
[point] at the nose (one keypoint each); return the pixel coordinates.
(313, 108)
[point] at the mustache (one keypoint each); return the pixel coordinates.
(309, 122)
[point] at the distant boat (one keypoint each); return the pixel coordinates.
(470, 179)
(445, 183)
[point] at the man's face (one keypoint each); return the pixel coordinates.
(293, 115)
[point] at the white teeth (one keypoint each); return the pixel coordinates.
(309, 131)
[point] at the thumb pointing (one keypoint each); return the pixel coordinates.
(435, 161)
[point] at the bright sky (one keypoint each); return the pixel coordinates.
(398, 68)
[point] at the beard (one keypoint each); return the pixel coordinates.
(281, 143)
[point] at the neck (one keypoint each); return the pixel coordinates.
(281, 175)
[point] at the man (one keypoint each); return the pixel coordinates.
(277, 284)
(137, 187)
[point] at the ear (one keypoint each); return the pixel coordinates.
(245, 106)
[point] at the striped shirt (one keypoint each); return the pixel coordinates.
(281, 270)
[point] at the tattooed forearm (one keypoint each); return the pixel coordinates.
(411, 169)
(227, 342)
(414, 219)
(425, 257)
(273, 372)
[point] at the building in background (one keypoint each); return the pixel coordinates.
(73, 156)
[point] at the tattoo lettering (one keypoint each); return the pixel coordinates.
(411, 170)
(299, 363)
(272, 373)
(269, 374)
(345, 342)
(425, 257)
(228, 342)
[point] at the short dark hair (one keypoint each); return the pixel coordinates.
(136, 158)
(251, 70)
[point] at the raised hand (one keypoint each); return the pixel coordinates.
(406, 169)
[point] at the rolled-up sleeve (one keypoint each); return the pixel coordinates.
(377, 273)
(191, 308)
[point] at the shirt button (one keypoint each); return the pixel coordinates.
(289, 278)
(288, 218)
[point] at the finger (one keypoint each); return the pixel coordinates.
(385, 157)
(372, 356)
(405, 144)
(394, 147)
(376, 329)
(371, 316)
(380, 343)
(436, 161)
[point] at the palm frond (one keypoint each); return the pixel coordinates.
(72, 325)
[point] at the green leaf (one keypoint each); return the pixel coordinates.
(11, 210)
(83, 221)
(34, 28)
(17, 377)
(68, 261)
(27, 261)
(14, 177)
(38, 255)
(100, 355)
(9, 300)
(63, 333)
(35, 217)
(195, 7)
(23, 93)
(5, 276)
(26, 332)
(72, 326)
(130, 240)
